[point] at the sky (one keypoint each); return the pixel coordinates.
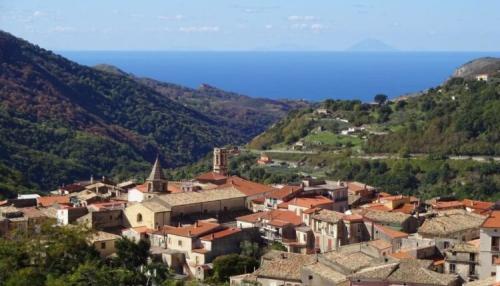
(263, 25)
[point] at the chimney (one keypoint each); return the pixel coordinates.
(91, 179)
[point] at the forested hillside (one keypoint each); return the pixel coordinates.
(60, 121)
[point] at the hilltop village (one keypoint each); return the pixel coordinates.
(328, 232)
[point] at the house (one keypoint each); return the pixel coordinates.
(335, 191)
(300, 204)
(395, 220)
(102, 219)
(443, 206)
(277, 268)
(328, 228)
(264, 159)
(355, 229)
(478, 207)
(482, 77)
(278, 196)
(48, 201)
(252, 190)
(274, 225)
(359, 193)
(211, 178)
(449, 228)
(104, 243)
(66, 215)
(405, 272)
(463, 259)
(142, 232)
(489, 246)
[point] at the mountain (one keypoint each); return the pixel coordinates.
(60, 121)
(460, 117)
(371, 45)
(247, 116)
(470, 70)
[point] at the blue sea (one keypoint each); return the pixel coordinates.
(294, 75)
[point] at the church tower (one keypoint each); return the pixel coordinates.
(220, 161)
(156, 181)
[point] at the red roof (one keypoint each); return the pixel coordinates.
(142, 188)
(221, 234)
(401, 255)
(248, 188)
(493, 221)
(51, 200)
(357, 187)
(480, 205)
(406, 209)
(259, 201)
(211, 176)
(277, 216)
(447, 205)
(377, 207)
(198, 229)
(311, 210)
(142, 229)
(282, 193)
(310, 202)
(353, 217)
(392, 233)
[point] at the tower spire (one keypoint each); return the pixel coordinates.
(157, 182)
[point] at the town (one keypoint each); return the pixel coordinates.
(328, 232)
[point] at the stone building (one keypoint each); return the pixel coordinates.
(220, 164)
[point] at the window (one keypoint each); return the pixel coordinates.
(452, 268)
(472, 257)
(103, 245)
(446, 244)
(472, 269)
(495, 243)
(493, 258)
(179, 243)
(139, 217)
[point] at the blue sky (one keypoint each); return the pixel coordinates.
(424, 25)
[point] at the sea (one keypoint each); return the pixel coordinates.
(313, 76)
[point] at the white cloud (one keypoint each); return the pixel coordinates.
(314, 27)
(171, 17)
(199, 29)
(268, 27)
(38, 13)
(317, 27)
(302, 18)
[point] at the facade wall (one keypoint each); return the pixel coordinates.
(149, 219)
(486, 253)
(105, 248)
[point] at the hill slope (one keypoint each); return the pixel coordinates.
(61, 121)
(245, 115)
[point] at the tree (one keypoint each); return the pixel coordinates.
(131, 255)
(380, 98)
(249, 249)
(232, 264)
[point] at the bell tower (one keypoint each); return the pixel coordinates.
(157, 182)
(220, 161)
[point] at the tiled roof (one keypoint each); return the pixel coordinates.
(211, 176)
(401, 255)
(310, 202)
(155, 205)
(470, 246)
(357, 186)
(188, 198)
(156, 172)
(490, 281)
(195, 230)
(493, 220)
(411, 271)
(221, 234)
(386, 217)
(406, 209)
(50, 200)
(380, 244)
(446, 224)
(351, 261)
(390, 232)
(326, 272)
(447, 205)
(327, 216)
(352, 217)
(478, 204)
(278, 217)
(103, 236)
(284, 192)
(283, 265)
(249, 188)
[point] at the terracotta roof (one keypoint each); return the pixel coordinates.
(406, 209)
(142, 229)
(401, 255)
(51, 200)
(220, 234)
(352, 217)
(391, 232)
(380, 244)
(447, 205)
(284, 192)
(377, 207)
(493, 221)
(249, 188)
(310, 202)
(311, 210)
(385, 217)
(392, 198)
(357, 186)
(198, 229)
(283, 265)
(478, 204)
(211, 176)
(447, 224)
(189, 198)
(103, 236)
(259, 201)
(142, 188)
(277, 216)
